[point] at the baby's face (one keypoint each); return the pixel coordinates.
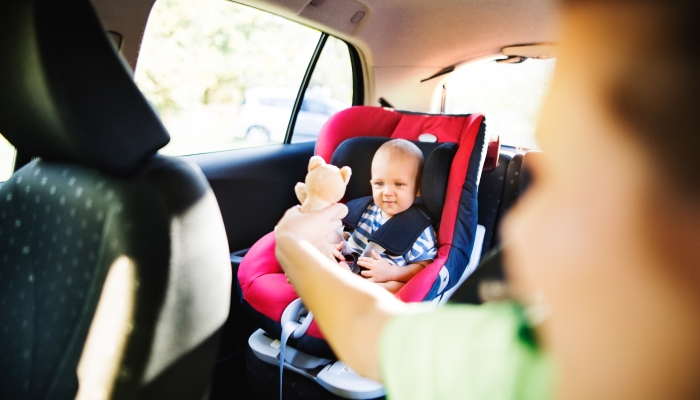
(394, 185)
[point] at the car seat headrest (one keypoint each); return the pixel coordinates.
(357, 153)
(66, 94)
(433, 183)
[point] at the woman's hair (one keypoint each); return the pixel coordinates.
(403, 149)
(656, 94)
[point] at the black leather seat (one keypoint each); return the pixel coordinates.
(98, 222)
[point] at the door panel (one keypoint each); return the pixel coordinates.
(254, 186)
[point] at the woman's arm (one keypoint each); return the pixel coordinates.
(350, 311)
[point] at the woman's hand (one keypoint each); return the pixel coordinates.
(378, 268)
(317, 228)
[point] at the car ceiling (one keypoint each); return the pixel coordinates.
(420, 33)
(401, 41)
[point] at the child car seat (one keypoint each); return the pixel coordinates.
(266, 295)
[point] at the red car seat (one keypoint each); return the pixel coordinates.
(263, 288)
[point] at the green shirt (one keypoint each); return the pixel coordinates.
(463, 352)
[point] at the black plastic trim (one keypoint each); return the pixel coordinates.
(358, 79)
(384, 103)
(442, 72)
(21, 159)
(304, 85)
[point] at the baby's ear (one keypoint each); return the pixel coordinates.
(316, 161)
(418, 192)
(346, 172)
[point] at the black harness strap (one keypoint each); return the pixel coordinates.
(399, 233)
(356, 208)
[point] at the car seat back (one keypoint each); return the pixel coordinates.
(99, 237)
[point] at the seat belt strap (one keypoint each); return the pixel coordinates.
(291, 326)
(287, 331)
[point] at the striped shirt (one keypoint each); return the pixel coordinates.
(423, 249)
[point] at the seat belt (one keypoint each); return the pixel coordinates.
(292, 326)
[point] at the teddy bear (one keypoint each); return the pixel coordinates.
(324, 185)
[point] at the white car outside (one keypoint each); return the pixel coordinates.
(264, 115)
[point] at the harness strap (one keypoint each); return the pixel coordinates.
(398, 234)
(401, 231)
(356, 207)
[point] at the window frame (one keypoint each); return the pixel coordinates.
(358, 79)
(304, 85)
(358, 87)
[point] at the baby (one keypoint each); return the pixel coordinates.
(396, 169)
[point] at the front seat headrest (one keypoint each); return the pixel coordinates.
(66, 94)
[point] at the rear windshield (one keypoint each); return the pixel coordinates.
(511, 96)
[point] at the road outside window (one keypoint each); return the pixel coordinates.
(329, 91)
(7, 159)
(222, 75)
(511, 96)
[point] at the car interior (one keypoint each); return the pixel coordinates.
(127, 203)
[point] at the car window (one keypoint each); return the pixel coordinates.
(510, 95)
(222, 75)
(329, 90)
(281, 103)
(7, 159)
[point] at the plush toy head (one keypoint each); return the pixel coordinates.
(325, 185)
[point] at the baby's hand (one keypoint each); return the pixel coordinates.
(378, 268)
(345, 265)
(336, 252)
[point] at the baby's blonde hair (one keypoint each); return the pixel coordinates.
(403, 149)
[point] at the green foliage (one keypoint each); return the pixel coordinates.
(210, 51)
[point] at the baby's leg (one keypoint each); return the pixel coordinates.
(392, 286)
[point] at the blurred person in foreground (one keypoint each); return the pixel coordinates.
(607, 239)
